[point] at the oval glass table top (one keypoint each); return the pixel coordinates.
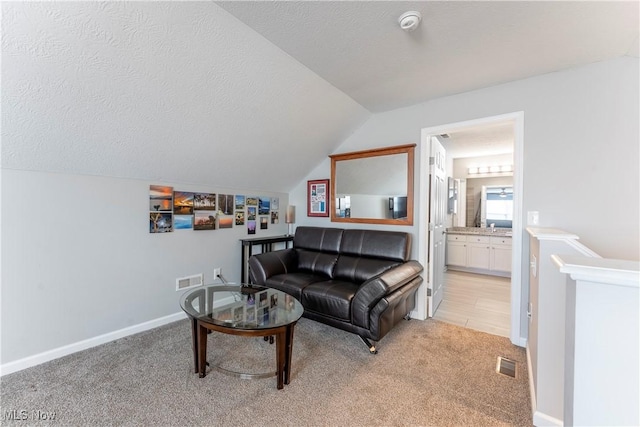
(248, 307)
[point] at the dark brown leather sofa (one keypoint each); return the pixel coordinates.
(361, 281)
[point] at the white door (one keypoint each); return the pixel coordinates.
(437, 224)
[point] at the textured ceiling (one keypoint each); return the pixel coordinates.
(359, 47)
(169, 91)
(485, 140)
(257, 94)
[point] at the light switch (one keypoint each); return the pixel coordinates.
(533, 218)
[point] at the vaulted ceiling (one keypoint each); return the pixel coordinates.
(255, 94)
(358, 46)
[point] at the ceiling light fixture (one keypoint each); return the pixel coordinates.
(409, 21)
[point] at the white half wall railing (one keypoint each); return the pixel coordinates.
(584, 334)
(546, 312)
(602, 348)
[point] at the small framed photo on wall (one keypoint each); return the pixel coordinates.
(318, 197)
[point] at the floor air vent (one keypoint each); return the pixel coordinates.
(506, 367)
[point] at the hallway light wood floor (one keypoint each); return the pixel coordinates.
(477, 302)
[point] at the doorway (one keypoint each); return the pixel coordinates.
(516, 120)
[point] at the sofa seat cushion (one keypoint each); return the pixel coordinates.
(294, 283)
(331, 298)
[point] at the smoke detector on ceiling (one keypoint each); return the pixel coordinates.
(409, 21)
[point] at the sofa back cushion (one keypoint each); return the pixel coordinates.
(367, 253)
(317, 249)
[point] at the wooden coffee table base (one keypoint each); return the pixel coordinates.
(284, 346)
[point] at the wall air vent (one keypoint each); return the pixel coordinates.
(183, 283)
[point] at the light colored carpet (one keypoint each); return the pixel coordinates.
(427, 373)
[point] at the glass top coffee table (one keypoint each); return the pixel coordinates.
(247, 310)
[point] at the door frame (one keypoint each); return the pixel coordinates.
(516, 335)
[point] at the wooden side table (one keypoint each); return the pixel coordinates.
(267, 246)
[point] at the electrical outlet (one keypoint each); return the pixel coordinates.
(217, 272)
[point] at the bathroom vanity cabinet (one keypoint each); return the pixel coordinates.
(479, 252)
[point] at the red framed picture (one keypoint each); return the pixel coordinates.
(318, 197)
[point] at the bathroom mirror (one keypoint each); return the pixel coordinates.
(452, 196)
(373, 186)
(496, 206)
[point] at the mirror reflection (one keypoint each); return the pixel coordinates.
(497, 207)
(373, 186)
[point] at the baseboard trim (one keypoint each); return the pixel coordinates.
(479, 271)
(37, 359)
(544, 420)
(520, 342)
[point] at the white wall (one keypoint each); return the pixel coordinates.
(78, 260)
(581, 151)
(581, 148)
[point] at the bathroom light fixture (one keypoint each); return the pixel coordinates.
(409, 21)
(490, 169)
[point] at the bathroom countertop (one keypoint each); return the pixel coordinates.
(506, 232)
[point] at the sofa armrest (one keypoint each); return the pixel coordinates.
(263, 266)
(371, 291)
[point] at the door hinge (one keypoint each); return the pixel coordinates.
(432, 226)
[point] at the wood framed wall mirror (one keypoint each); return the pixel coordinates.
(373, 186)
